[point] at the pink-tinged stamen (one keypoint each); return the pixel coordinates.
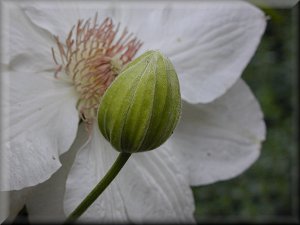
(92, 57)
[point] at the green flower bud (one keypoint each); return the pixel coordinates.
(141, 108)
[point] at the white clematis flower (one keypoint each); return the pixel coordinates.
(54, 48)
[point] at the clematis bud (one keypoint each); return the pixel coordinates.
(141, 108)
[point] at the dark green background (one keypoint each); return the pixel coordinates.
(267, 191)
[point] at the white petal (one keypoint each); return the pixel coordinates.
(220, 140)
(28, 48)
(149, 188)
(43, 124)
(46, 201)
(210, 43)
(58, 17)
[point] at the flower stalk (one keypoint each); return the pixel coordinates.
(100, 187)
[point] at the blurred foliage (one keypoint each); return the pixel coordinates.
(265, 192)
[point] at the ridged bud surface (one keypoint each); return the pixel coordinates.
(141, 108)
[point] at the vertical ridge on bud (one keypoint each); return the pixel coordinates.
(167, 105)
(141, 108)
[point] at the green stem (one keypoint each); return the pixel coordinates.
(100, 187)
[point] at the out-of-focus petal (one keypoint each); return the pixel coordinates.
(15, 202)
(149, 188)
(218, 141)
(46, 202)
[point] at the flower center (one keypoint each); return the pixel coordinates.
(91, 58)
